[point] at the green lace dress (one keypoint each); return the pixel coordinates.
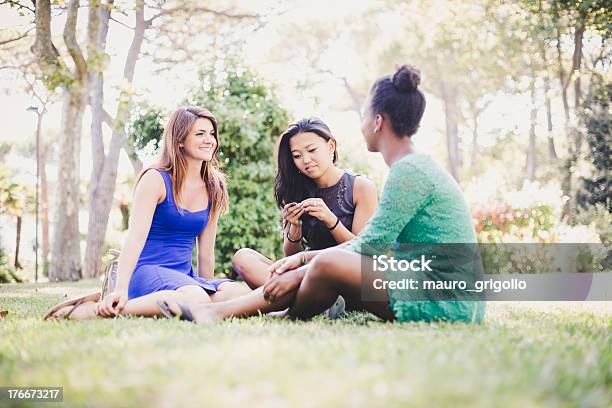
(420, 204)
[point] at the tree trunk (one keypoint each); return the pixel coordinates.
(566, 183)
(570, 208)
(449, 95)
(577, 62)
(100, 206)
(137, 165)
(552, 152)
(530, 166)
(561, 72)
(44, 207)
(101, 198)
(95, 238)
(125, 215)
(355, 99)
(17, 243)
(474, 139)
(46, 53)
(65, 251)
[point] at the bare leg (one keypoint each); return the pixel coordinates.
(251, 266)
(85, 311)
(338, 272)
(141, 306)
(147, 305)
(229, 290)
(250, 304)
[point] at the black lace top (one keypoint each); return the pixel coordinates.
(339, 199)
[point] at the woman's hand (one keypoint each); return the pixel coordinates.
(292, 213)
(279, 285)
(112, 304)
(286, 264)
(317, 208)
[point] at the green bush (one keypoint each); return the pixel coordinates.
(250, 121)
(7, 273)
(494, 223)
(146, 128)
(596, 187)
(600, 217)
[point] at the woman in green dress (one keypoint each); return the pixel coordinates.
(420, 204)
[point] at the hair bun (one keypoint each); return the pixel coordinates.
(407, 78)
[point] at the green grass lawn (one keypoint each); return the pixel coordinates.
(524, 355)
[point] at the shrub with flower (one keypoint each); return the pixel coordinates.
(502, 214)
(530, 215)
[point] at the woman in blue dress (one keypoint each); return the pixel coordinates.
(176, 206)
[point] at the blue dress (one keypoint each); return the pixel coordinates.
(165, 260)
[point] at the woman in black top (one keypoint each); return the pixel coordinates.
(322, 205)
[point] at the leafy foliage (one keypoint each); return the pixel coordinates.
(146, 129)
(250, 120)
(10, 203)
(527, 223)
(597, 188)
(16, 198)
(7, 273)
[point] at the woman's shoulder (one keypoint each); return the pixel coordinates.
(153, 176)
(362, 187)
(416, 165)
(423, 172)
(152, 182)
(362, 183)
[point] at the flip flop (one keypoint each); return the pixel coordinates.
(185, 311)
(336, 310)
(74, 302)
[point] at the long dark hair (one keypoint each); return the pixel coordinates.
(399, 98)
(290, 185)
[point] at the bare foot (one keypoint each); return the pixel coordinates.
(201, 312)
(279, 314)
(205, 313)
(84, 311)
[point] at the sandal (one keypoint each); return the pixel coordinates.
(74, 302)
(110, 276)
(335, 310)
(166, 311)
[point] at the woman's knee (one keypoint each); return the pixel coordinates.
(230, 290)
(242, 258)
(323, 265)
(193, 293)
